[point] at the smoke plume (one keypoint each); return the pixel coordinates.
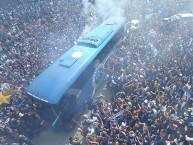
(101, 10)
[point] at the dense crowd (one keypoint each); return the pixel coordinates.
(154, 97)
(151, 79)
(33, 35)
(150, 75)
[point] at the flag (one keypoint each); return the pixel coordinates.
(154, 50)
(116, 115)
(4, 99)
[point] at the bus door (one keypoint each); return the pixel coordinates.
(66, 108)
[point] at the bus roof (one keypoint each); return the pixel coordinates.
(51, 85)
(96, 37)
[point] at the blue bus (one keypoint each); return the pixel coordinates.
(61, 88)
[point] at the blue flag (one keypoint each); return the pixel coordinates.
(116, 115)
(154, 50)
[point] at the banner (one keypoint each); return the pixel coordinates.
(116, 115)
(154, 50)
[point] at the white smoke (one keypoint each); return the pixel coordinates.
(101, 10)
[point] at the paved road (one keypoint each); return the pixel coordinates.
(51, 138)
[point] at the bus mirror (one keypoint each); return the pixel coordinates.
(56, 120)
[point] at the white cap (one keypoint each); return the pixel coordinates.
(21, 114)
(85, 116)
(95, 118)
(146, 101)
(79, 129)
(153, 102)
(164, 108)
(154, 111)
(123, 124)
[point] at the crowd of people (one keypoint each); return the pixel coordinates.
(151, 79)
(154, 97)
(33, 35)
(150, 75)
